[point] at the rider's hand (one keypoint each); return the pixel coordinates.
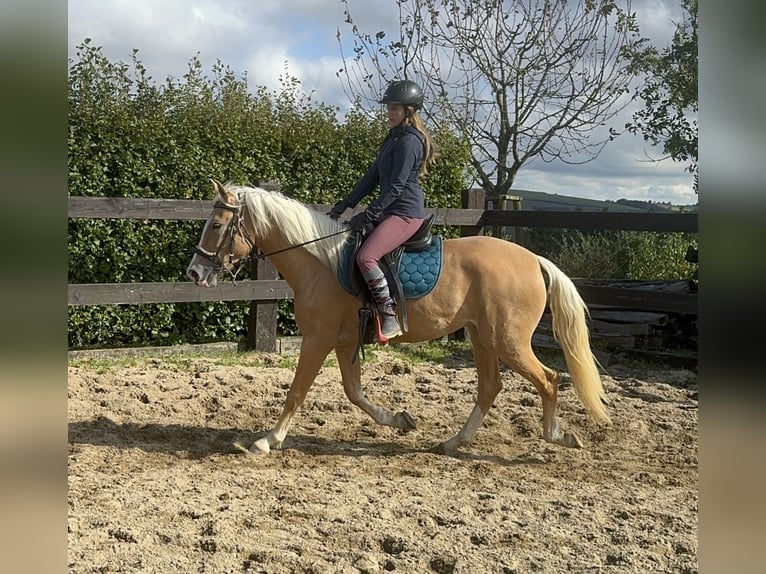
(361, 222)
(337, 210)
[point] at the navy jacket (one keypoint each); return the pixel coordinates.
(395, 171)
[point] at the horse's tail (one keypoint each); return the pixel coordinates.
(571, 331)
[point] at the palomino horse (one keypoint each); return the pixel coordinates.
(493, 288)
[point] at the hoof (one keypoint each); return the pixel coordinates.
(443, 448)
(438, 449)
(571, 440)
(405, 422)
(261, 446)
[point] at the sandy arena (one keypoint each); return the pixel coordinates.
(157, 483)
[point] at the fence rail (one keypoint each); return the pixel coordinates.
(265, 292)
(192, 209)
(168, 292)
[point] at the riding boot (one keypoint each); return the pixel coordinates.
(388, 325)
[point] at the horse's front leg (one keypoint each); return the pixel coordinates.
(312, 355)
(352, 385)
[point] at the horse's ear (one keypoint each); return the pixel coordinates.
(218, 186)
(223, 193)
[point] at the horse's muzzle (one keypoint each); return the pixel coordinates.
(204, 279)
(194, 276)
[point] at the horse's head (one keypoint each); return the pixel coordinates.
(224, 242)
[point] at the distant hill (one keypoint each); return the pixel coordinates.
(651, 206)
(541, 201)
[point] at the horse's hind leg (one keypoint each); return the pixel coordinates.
(351, 374)
(489, 385)
(546, 381)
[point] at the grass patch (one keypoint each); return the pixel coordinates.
(433, 352)
(104, 365)
(455, 354)
(185, 362)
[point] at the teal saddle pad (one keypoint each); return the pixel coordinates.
(418, 271)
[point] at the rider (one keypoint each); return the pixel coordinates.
(398, 211)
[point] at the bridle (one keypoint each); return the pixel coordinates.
(235, 227)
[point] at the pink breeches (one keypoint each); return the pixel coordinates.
(390, 233)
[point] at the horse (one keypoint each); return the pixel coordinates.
(495, 289)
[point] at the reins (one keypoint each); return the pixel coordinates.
(256, 257)
(237, 228)
(264, 255)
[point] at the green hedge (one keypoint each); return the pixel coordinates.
(132, 137)
(595, 254)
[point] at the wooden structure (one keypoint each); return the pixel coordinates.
(267, 289)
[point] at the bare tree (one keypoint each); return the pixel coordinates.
(519, 79)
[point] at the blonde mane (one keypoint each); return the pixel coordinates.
(297, 223)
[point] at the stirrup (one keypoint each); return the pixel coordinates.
(382, 337)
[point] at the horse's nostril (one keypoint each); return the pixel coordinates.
(192, 274)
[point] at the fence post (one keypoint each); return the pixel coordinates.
(472, 199)
(493, 202)
(500, 202)
(518, 232)
(262, 319)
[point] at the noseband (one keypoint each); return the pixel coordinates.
(235, 227)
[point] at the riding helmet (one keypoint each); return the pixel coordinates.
(404, 92)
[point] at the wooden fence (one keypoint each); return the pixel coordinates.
(267, 289)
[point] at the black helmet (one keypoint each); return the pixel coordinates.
(404, 92)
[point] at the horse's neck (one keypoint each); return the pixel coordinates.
(295, 264)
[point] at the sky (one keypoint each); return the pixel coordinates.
(268, 39)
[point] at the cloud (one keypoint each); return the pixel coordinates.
(297, 38)
(657, 19)
(582, 182)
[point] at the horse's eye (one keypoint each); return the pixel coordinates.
(217, 226)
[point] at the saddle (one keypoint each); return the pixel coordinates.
(412, 270)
